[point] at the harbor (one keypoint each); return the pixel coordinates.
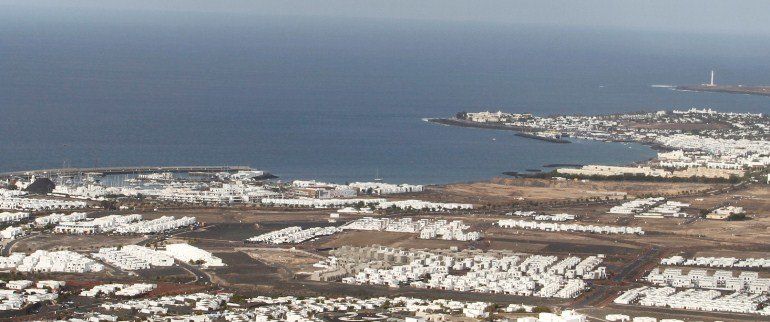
(122, 170)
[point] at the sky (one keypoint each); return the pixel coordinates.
(702, 16)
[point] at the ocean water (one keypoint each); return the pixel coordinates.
(337, 100)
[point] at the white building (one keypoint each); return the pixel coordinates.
(191, 254)
(133, 257)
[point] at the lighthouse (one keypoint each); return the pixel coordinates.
(711, 81)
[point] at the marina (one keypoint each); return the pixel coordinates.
(122, 170)
(455, 161)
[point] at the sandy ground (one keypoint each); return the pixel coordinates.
(294, 261)
(507, 190)
(72, 242)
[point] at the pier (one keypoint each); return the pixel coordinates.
(123, 170)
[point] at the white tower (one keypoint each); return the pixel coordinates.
(711, 82)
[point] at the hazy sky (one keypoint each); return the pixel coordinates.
(747, 16)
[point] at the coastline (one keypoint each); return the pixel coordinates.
(530, 132)
(729, 89)
(525, 132)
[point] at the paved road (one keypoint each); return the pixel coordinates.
(200, 275)
(601, 293)
(8, 246)
(149, 239)
(597, 294)
(631, 269)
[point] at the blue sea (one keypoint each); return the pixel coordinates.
(335, 99)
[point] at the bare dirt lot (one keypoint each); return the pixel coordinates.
(85, 243)
(294, 261)
(507, 190)
(687, 233)
(747, 235)
(242, 214)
